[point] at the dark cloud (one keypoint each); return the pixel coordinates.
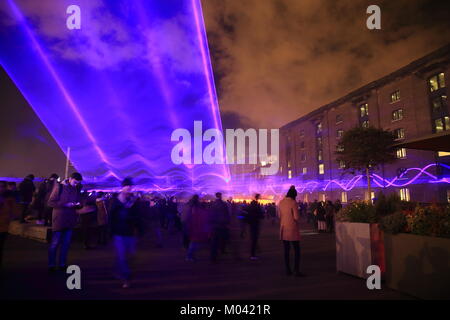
(279, 59)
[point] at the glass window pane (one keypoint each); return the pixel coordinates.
(447, 123)
(433, 82)
(438, 125)
(441, 77)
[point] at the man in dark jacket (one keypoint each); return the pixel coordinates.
(64, 199)
(253, 218)
(26, 190)
(126, 221)
(220, 222)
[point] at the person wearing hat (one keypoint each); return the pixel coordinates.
(126, 223)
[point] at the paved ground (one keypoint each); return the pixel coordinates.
(162, 273)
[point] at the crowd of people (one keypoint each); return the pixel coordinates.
(219, 226)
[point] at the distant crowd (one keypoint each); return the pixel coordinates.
(219, 226)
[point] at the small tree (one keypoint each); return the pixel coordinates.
(364, 149)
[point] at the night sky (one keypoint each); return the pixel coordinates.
(274, 61)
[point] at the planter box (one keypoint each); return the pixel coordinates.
(358, 245)
(418, 265)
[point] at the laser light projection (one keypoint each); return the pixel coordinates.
(112, 79)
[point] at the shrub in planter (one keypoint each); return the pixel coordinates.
(387, 205)
(358, 212)
(430, 221)
(394, 223)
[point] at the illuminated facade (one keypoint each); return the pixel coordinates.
(411, 102)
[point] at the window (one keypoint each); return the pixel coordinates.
(322, 197)
(339, 133)
(404, 194)
(400, 153)
(339, 119)
(395, 96)
(321, 168)
(364, 110)
(319, 155)
(397, 115)
(399, 134)
(441, 124)
(344, 197)
(448, 196)
(339, 148)
(365, 124)
(439, 103)
(305, 197)
(436, 82)
(303, 157)
(305, 170)
(341, 164)
(289, 174)
(319, 142)
(443, 154)
(372, 195)
(302, 145)
(319, 128)
(302, 133)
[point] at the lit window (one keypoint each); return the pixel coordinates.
(322, 197)
(339, 133)
(448, 196)
(339, 148)
(399, 134)
(401, 153)
(365, 124)
(436, 82)
(395, 96)
(443, 154)
(305, 170)
(372, 195)
(364, 110)
(289, 163)
(404, 194)
(341, 164)
(319, 155)
(344, 197)
(339, 119)
(305, 197)
(438, 125)
(319, 128)
(397, 115)
(289, 174)
(321, 168)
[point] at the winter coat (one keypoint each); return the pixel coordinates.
(196, 221)
(125, 221)
(102, 213)
(289, 220)
(26, 189)
(220, 215)
(7, 210)
(64, 217)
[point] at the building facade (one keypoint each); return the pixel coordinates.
(411, 102)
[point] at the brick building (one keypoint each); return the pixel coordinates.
(411, 102)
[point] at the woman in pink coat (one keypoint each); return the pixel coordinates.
(290, 230)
